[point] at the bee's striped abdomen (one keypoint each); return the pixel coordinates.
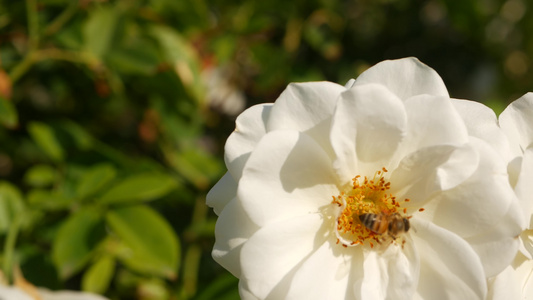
(374, 222)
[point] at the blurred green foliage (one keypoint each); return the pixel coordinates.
(113, 116)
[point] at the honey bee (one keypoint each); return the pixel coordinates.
(393, 224)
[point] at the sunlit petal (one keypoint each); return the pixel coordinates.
(406, 78)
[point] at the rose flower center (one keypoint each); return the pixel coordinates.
(369, 213)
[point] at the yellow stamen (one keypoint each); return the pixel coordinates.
(366, 196)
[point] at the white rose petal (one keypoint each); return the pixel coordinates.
(222, 193)
(516, 121)
(233, 229)
(481, 122)
(433, 121)
(406, 78)
(393, 274)
(312, 280)
(287, 175)
(440, 172)
(515, 282)
(458, 265)
(250, 127)
(362, 131)
(275, 249)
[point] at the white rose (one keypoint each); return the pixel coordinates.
(516, 123)
(292, 203)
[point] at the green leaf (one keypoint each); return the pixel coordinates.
(138, 188)
(40, 176)
(45, 138)
(181, 55)
(76, 241)
(11, 204)
(138, 58)
(49, 200)
(8, 113)
(98, 277)
(154, 246)
(95, 179)
(100, 29)
(197, 166)
(81, 137)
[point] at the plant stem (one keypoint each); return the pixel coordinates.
(9, 247)
(33, 25)
(19, 70)
(191, 261)
(35, 56)
(62, 19)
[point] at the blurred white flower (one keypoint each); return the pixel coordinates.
(222, 94)
(68, 295)
(311, 177)
(24, 290)
(15, 293)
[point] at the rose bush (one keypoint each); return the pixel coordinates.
(302, 172)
